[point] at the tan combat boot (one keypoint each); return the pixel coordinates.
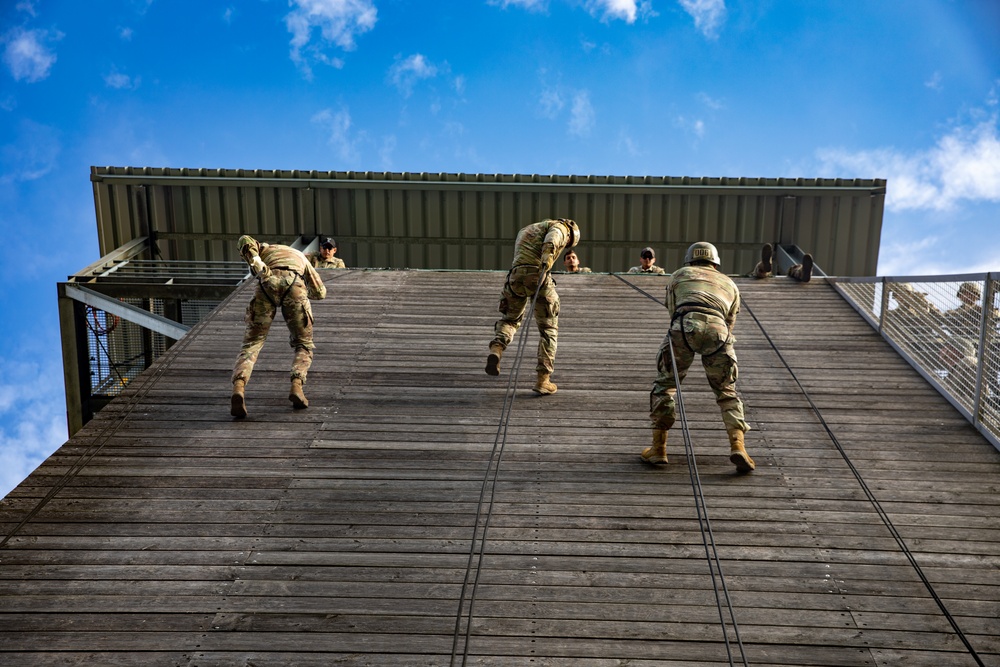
(237, 403)
(543, 386)
(658, 452)
(493, 361)
(738, 454)
(296, 396)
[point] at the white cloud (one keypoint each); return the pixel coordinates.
(34, 438)
(338, 22)
(340, 137)
(582, 115)
(695, 126)
(530, 5)
(607, 10)
(935, 82)
(708, 14)
(386, 152)
(405, 73)
(34, 424)
(934, 255)
(27, 54)
(908, 258)
(627, 144)
(551, 103)
(119, 81)
(625, 10)
(125, 33)
(554, 99)
(32, 155)
(964, 165)
(27, 6)
(142, 6)
(711, 103)
(227, 15)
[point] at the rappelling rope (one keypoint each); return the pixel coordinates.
(704, 523)
(871, 496)
(475, 561)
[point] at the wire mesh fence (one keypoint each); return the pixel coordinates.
(946, 327)
(119, 350)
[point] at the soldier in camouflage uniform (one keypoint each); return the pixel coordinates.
(647, 263)
(959, 358)
(535, 250)
(703, 304)
(765, 267)
(285, 280)
(325, 258)
(572, 263)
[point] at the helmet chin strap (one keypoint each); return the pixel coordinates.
(572, 232)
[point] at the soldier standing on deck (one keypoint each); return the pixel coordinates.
(535, 250)
(703, 304)
(765, 267)
(286, 280)
(325, 257)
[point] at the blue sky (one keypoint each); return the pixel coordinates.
(906, 91)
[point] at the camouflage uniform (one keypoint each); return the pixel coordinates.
(703, 304)
(292, 283)
(653, 269)
(318, 262)
(519, 289)
(958, 355)
(911, 304)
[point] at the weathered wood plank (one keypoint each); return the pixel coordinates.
(343, 532)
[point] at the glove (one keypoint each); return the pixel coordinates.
(547, 257)
(259, 267)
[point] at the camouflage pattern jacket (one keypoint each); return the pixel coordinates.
(658, 270)
(532, 239)
(706, 287)
(282, 256)
(318, 262)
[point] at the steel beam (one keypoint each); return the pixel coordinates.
(143, 318)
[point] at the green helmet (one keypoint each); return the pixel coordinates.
(247, 241)
(970, 291)
(702, 251)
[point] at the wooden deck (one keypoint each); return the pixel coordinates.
(166, 533)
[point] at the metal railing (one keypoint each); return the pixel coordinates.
(946, 328)
(119, 350)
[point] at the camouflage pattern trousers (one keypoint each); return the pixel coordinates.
(707, 335)
(522, 281)
(285, 288)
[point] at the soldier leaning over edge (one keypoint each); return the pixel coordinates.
(285, 279)
(535, 250)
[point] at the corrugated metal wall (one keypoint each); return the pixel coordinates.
(469, 221)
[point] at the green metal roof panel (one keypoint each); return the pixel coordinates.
(468, 221)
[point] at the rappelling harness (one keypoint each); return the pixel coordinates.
(280, 302)
(705, 309)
